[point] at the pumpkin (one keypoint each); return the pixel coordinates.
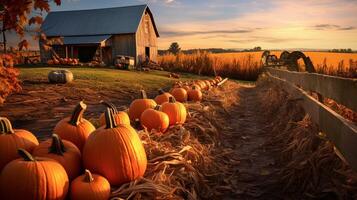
(121, 117)
(194, 85)
(163, 97)
(180, 94)
(202, 84)
(115, 152)
(60, 76)
(138, 106)
(33, 179)
(90, 187)
(218, 78)
(11, 140)
(194, 94)
(64, 152)
(186, 87)
(75, 129)
(155, 119)
(208, 84)
(175, 110)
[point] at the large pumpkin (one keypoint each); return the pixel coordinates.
(11, 140)
(175, 110)
(115, 152)
(138, 106)
(64, 152)
(155, 119)
(121, 117)
(75, 129)
(180, 94)
(194, 94)
(163, 97)
(33, 179)
(90, 187)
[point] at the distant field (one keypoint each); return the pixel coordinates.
(246, 65)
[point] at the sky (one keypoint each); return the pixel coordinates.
(271, 24)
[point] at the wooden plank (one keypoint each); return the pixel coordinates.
(222, 82)
(341, 132)
(342, 90)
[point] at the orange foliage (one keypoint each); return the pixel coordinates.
(8, 77)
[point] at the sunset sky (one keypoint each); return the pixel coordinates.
(273, 24)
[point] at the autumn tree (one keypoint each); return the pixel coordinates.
(14, 16)
(174, 48)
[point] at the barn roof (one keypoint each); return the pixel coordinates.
(118, 20)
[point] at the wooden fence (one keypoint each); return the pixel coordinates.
(342, 132)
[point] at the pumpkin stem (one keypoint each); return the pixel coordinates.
(57, 146)
(158, 107)
(78, 113)
(5, 126)
(109, 119)
(25, 155)
(88, 177)
(172, 100)
(110, 105)
(143, 94)
(194, 87)
(161, 91)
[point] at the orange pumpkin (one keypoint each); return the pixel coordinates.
(202, 84)
(121, 117)
(163, 97)
(90, 187)
(155, 119)
(115, 152)
(75, 129)
(175, 110)
(138, 106)
(33, 179)
(218, 78)
(64, 152)
(186, 87)
(11, 140)
(180, 94)
(194, 94)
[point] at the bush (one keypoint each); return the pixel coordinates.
(8, 77)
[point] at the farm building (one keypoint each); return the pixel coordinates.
(101, 34)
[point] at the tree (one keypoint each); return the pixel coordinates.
(174, 48)
(14, 16)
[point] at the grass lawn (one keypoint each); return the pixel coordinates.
(40, 105)
(107, 79)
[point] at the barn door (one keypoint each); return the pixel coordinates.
(147, 52)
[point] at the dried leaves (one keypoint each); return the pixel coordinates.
(8, 77)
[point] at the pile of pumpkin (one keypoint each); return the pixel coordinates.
(114, 152)
(63, 61)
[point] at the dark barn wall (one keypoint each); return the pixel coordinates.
(123, 45)
(146, 37)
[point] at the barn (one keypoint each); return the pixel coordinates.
(101, 34)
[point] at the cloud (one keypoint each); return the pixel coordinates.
(332, 27)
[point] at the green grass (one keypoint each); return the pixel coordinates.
(104, 78)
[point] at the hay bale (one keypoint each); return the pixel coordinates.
(60, 76)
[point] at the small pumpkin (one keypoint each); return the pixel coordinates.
(60, 76)
(155, 119)
(202, 84)
(175, 110)
(163, 97)
(64, 152)
(194, 94)
(121, 117)
(11, 140)
(90, 187)
(75, 129)
(116, 152)
(180, 94)
(33, 179)
(138, 106)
